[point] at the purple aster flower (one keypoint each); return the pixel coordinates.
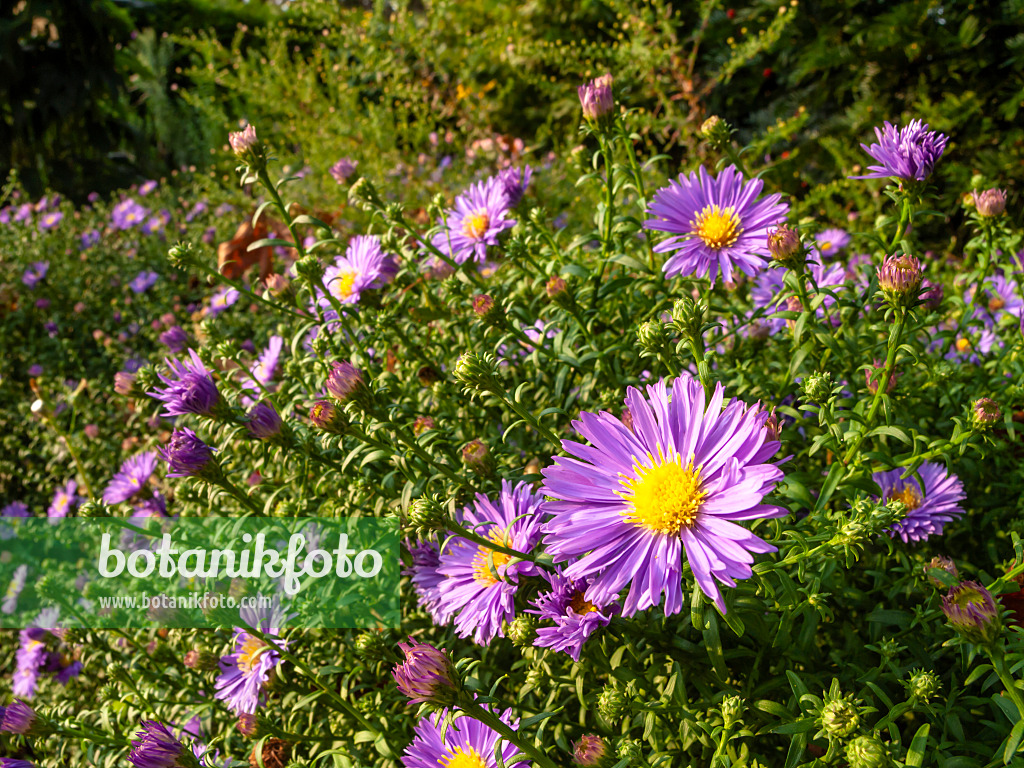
(1000, 297)
(718, 224)
(264, 371)
(64, 500)
(479, 216)
(144, 281)
(426, 579)
(175, 338)
(222, 299)
(5, 215)
(197, 210)
(154, 225)
(18, 717)
(596, 97)
(10, 601)
(363, 267)
(131, 479)
(768, 292)
(427, 674)
(246, 673)
(153, 507)
(15, 509)
(928, 508)
(11, 762)
(831, 241)
(35, 370)
(263, 422)
(630, 503)
(972, 610)
(343, 169)
(480, 583)
(35, 273)
(344, 381)
(465, 743)
(575, 618)
(128, 214)
(156, 747)
(24, 213)
(50, 220)
(514, 181)
(187, 455)
(224, 209)
(28, 662)
(190, 387)
(971, 347)
(146, 187)
(905, 153)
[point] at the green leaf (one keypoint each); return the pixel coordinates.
(915, 754)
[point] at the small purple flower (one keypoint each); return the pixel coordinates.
(343, 169)
(146, 187)
(131, 479)
(831, 241)
(575, 618)
(596, 97)
(907, 153)
(479, 216)
(175, 338)
(50, 220)
(426, 579)
(222, 299)
(128, 214)
(89, 239)
(514, 181)
(64, 500)
(24, 213)
(35, 370)
(427, 674)
(35, 273)
(365, 266)
(589, 751)
(717, 224)
(144, 281)
(197, 210)
(223, 209)
(18, 717)
(187, 455)
(464, 743)
(10, 601)
(928, 508)
(11, 762)
(189, 389)
(263, 421)
(156, 747)
(246, 672)
(15, 509)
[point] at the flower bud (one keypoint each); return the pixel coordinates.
(629, 749)
(596, 99)
(716, 132)
(818, 387)
(785, 247)
(867, 752)
(278, 285)
(931, 295)
(899, 279)
(275, 753)
(590, 751)
(477, 458)
(990, 203)
(372, 646)
(124, 384)
(365, 193)
(422, 424)
(522, 630)
(202, 660)
(263, 421)
(612, 704)
(327, 416)
(309, 269)
(243, 142)
(180, 255)
(839, 718)
(477, 373)
(984, 413)
(651, 336)
(943, 563)
(426, 675)
(427, 515)
(488, 310)
(732, 711)
(922, 685)
(972, 611)
(345, 382)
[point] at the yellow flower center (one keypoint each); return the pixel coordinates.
(580, 605)
(341, 286)
(963, 345)
(665, 497)
(475, 225)
(461, 759)
(251, 651)
(826, 245)
(486, 562)
(909, 496)
(717, 227)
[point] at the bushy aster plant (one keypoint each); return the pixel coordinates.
(677, 478)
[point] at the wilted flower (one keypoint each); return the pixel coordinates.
(426, 675)
(596, 98)
(991, 202)
(906, 153)
(625, 510)
(972, 611)
(716, 223)
(928, 509)
(187, 455)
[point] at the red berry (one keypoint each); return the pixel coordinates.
(767, 72)
(731, 13)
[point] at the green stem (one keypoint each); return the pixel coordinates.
(264, 178)
(609, 212)
(999, 664)
(485, 542)
(492, 721)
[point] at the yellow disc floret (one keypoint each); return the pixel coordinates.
(665, 496)
(476, 224)
(341, 286)
(717, 227)
(460, 758)
(249, 654)
(909, 496)
(580, 605)
(486, 562)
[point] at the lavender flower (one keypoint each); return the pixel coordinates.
(35, 273)
(246, 672)
(831, 241)
(928, 508)
(907, 153)
(991, 202)
(480, 215)
(624, 511)
(596, 98)
(10, 601)
(187, 455)
(465, 743)
(575, 618)
(514, 181)
(263, 422)
(11, 762)
(175, 338)
(146, 187)
(343, 169)
(50, 220)
(427, 674)
(18, 717)
(972, 610)
(222, 299)
(426, 578)
(143, 281)
(717, 224)
(64, 500)
(128, 214)
(157, 747)
(89, 239)
(189, 388)
(131, 479)
(365, 266)
(15, 509)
